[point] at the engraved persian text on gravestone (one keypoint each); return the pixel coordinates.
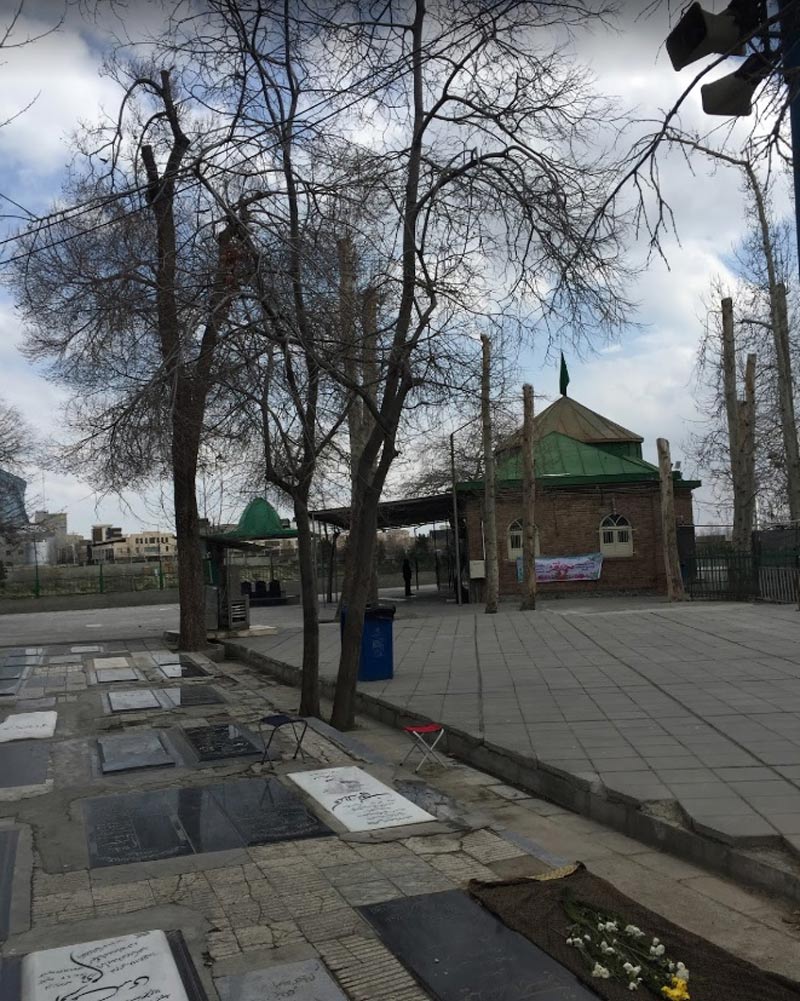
(125, 969)
(358, 800)
(28, 726)
(307, 981)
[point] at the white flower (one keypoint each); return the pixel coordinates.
(655, 941)
(633, 986)
(606, 948)
(681, 972)
(611, 926)
(588, 938)
(633, 931)
(600, 971)
(671, 966)
(601, 926)
(657, 950)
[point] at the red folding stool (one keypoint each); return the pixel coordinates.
(425, 737)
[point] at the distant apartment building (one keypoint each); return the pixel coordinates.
(136, 547)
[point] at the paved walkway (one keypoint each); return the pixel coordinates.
(698, 704)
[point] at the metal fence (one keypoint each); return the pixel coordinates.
(723, 577)
(769, 572)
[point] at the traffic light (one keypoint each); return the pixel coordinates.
(700, 33)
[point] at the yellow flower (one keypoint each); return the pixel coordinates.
(677, 992)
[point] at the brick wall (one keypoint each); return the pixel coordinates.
(569, 519)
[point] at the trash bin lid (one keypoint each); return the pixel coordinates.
(380, 610)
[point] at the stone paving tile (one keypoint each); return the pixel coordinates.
(367, 970)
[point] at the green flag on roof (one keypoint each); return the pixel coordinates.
(564, 380)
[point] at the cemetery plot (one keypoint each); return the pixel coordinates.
(123, 702)
(128, 968)
(165, 823)
(193, 695)
(28, 726)
(307, 981)
(121, 752)
(264, 811)
(430, 935)
(112, 675)
(226, 740)
(8, 854)
(23, 764)
(358, 800)
(183, 670)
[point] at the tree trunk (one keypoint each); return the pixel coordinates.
(741, 536)
(746, 437)
(191, 583)
(783, 365)
(669, 532)
(489, 514)
(528, 503)
(360, 553)
(309, 683)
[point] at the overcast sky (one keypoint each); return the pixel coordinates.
(644, 381)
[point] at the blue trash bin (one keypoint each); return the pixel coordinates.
(376, 662)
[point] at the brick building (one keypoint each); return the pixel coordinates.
(594, 495)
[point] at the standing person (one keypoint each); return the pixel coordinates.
(407, 576)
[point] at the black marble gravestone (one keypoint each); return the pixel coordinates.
(8, 855)
(226, 740)
(23, 763)
(133, 828)
(456, 949)
(264, 811)
(193, 695)
(10, 671)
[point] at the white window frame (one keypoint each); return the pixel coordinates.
(517, 528)
(616, 536)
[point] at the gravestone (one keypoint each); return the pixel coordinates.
(23, 764)
(128, 969)
(202, 819)
(112, 675)
(431, 936)
(10, 671)
(307, 981)
(264, 811)
(137, 827)
(193, 695)
(86, 649)
(121, 752)
(8, 687)
(103, 663)
(8, 855)
(28, 726)
(227, 740)
(125, 702)
(358, 800)
(184, 670)
(22, 661)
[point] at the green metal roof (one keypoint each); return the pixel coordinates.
(558, 456)
(259, 520)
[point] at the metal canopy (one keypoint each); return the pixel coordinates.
(397, 513)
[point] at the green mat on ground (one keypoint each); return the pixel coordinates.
(534, 907)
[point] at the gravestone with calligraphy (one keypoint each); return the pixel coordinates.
(182, 670)
(307, 981)
(193, 695)
(431, 936)
(226, 740)
(358, 800)
(129, 968)
(125, 702)
(124, 751)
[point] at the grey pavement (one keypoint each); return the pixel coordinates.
(695, 703)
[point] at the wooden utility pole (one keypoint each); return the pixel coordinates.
(783, 372)
(741, 537)
(669, 533)
(489, 515)
(528, 502)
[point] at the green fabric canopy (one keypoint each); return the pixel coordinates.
(259, 520)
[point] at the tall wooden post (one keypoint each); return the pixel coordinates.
(528, 502)
(783, 371)
(489, 515)
(746, 434)
(669, 534)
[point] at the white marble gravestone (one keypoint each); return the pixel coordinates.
(306, 981)
(101, 663)
(28, 726)
(86, 649)
(358, 800)
(125, 969)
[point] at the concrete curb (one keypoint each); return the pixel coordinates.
(778, 874)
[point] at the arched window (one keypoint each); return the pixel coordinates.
(516, 539)
(616, 536)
